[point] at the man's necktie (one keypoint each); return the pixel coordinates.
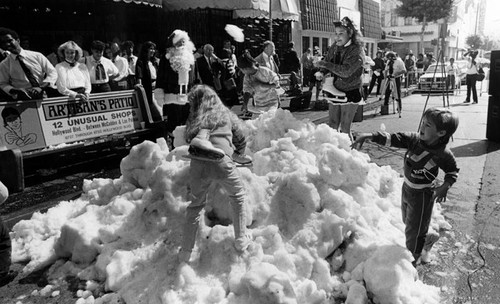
(34, 83)
(100, 74)
(272, 64)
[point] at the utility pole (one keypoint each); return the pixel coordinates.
(477, 18)
(270, 20)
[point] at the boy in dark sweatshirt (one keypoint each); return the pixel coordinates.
(426, 153)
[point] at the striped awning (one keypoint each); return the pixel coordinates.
(156, 3)
(281, 9)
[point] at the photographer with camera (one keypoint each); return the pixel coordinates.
(394, 70)
(472, 73)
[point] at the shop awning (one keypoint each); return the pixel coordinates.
(157, 3)
(281, 9)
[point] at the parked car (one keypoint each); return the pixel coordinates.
(434, 78)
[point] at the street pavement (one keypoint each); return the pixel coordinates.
(467, 257)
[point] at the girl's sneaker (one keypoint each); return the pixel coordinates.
(242, 159)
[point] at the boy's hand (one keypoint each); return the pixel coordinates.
(440, 193)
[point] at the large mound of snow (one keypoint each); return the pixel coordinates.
(326, 223)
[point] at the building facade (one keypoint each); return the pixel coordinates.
(464, 20)
(316, 22)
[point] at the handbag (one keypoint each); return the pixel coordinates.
(480, 74)
(229, 84)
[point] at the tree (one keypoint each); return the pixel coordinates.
(425, 11)
(474, 41)
(490, 44)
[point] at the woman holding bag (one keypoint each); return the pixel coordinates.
(344, 60)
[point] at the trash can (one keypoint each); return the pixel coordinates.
(493, 120)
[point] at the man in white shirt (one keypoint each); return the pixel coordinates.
(128, 53)
(24, 74)
(266, 58)
(101, 69)
(471, 78)
(120, 82)
(452, 73)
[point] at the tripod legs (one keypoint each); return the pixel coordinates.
(391, 85)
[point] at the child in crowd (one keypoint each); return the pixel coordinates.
(260, 83)
(213, 128)
(6, 276)
(426, 153)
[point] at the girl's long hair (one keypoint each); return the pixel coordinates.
(144, 52)
(207, 112)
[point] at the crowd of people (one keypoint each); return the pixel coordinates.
(195, 87)
(71, 71)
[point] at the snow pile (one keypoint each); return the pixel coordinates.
(326, 223)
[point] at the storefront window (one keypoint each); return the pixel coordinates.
(324, 45)
(315, 41)
(305, 43)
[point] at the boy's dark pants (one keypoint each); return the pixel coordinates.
(5, 247)
(416, 207)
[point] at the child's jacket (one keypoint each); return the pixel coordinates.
(263, 96)
(229, 138)
(421, 162)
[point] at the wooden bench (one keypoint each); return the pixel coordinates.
(33, 130)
